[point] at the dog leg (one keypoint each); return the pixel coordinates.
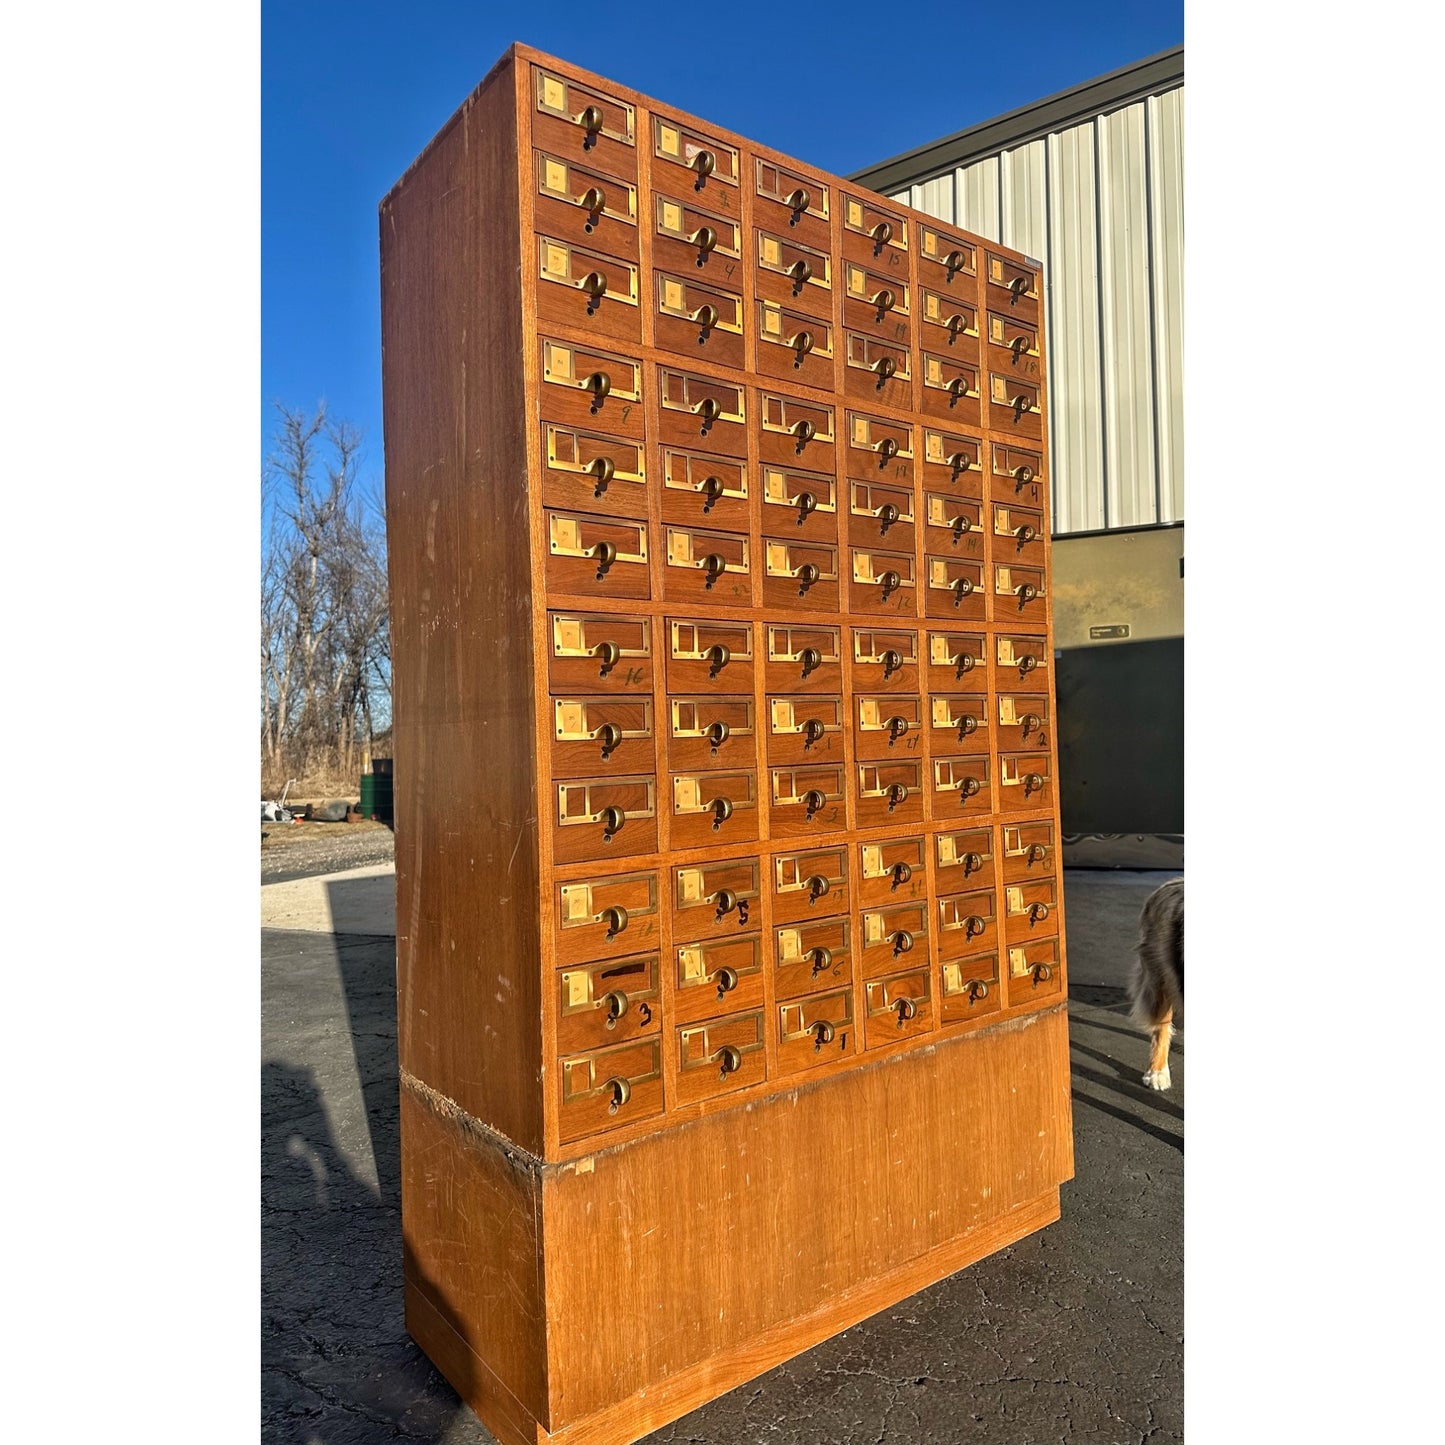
(1159, 1037)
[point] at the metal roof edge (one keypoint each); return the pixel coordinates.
(1150, 76)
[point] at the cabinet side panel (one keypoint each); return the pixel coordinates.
(466, 846)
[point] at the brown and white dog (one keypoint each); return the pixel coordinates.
(1156, 989)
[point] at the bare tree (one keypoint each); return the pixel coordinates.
(325, 636)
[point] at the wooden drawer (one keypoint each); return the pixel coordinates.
(892, 870)
(1015, 405)
(1018, 534)
(962, 787)
(598, 557)
(695, 318)
(689, 159)
(811, 956)
(809, 883)
(970, 989)
(881, 514)
(588, 387)
(578, 203)
(898, 1007)
(714, 807)
(953, 460)
(803, 657)
(711, 731)
(690, 237)
(718, 975)
(798, 503)
(1016, 474)
(590, 469)
(794, 431)
(874, 234)
(794, 345)
(1024, 721)
(953, 525)
(894, 936)
(720, 1056)
(801, 574)
(1025, 780)
(954, 588)
(705, 489)
(1020, 593)
(1012, 287)
(815, 1030)
(886, 725)
(793, 204)
(606, 917)
(952, 385)
(1012, 347)
(793, 274)
(807, 798)
(588, 289)
(948, 324)
(1034, 972)
(607, 1002)
(958, 723)
(947, 260)
(882, 582)
(885, 659)
(877, 300)
(878, 448)
(700, 565)
(1031, 910)
(890, 792)
(599, 651)
(966, 922)
(964, 858)
(715, 898)
(707, 656)
(1021, 657)
(578, 122)
(604, 818)
(877, 368)
(700, 411)
(1030, 850)
(607, 1088)
(805, 728)
(601, 736)
(956, 658)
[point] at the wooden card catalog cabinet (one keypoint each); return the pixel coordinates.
(726, 780)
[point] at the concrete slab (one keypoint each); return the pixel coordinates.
(357, 900)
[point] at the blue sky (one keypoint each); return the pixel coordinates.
(352, 92)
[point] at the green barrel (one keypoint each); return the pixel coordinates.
(376, 795)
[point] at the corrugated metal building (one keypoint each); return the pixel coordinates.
(1090, 181)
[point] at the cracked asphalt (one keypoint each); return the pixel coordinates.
(1073, 1335)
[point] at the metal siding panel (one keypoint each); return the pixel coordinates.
(1025, 223)
(977, 198)
(1166, 222)
(1124, 280)
(1071, 277)
(935, 197)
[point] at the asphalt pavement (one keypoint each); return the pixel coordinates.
(1073, 1335)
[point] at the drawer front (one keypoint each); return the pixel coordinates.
(816, 1030)
(970, 989)
(1030, 850)
(1020, 593)
(794, 345)
(578, 123)
(962, 787)
(1013, 288)
(802, 658)
(588, 387)
(1015, 405)
(793, 274)
(1013, 347)
(809, 883)
(706, 566)
(958, 723)
(952, 386)
(1025, 780)
(607, 1088)
(878, 369)
(715, 898)
(597, 651)
(805, 728)
(718, 975)
(877, 301)
(709, 656)
(881, 581)
(691, 238)
(1016, 474)
(953, 525)
(967, 922)
(595, 556)
(1024, 721)
(889, 792)
(605, 818)
(793, 431)
(1021, 657)
(881, 514)
(886, 725)
(807, 799)
(1018, 534)
(964, 858)
(898, 1007)
(947, 261)
(956, 658)
(953, 460)
(590, 469)
(685, 156)
(720, 807)
(697, 319)
(875, 234)
(705, 489)
(879, 448)
(789, 203)
(605, 1003)
(699, 411)
(948, 324)
(800, 504)
(885, 659)
(711, 731)
(720, 1056)
(892, 870)
(800, 574)
(955, 588)
(811, 956)
(576, 202)
(588, 289)
(606, 917)
(603, 735)
(894, 936)
(1031, 910)
(1034, 973)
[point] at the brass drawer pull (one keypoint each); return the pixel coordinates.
(610, 736)
(811, 658)
(813, 731)
(591, 120)
(884, 300)
(1018, 345)
(704, 163)
(616, 1005)
(599, 384)
(712, 489)
(727, 980)
(962, 662)
(1027, 663)
(1025, 592)
(1042, 973)
(1033, 783)
(1023, 476)
(594, 201)
(890, 581)
(705, 239)
(1025, 534)
(608, 653)
(822, 1034)
(969, 787)
(802, 344)
(807, 505)
(882, 234)
(972, 862)
(1035, 853)
(807, 574)
(902, 941)
(973, 925)
(822, 958)
(1038, 912)
(1021, 404)
(594, 283)
(955, 323)
(616, 919)
(897, 793)
(960, 462)
(603, 468)
(729, 1060)
(722, 810)
(813, 800)
(613, 819)
(717, 733)
(902, 872)
(708, 409)
(967, 725)
(957, 388)
(897, 726)
(1030, 721)
(885, 366)
(961, 589)
(621, 1093)
(977, 991)
(887, 450)
(805, 431)
(888, 514)
(892, 661)
(906, 1010)
(801, 272)
(818, 887)
(1018, 286)
(714, 565)
(606, 555)
(726, 900)
(798, 201)
(719, 655)
(960, 525)
(954, 261)
(706, 317)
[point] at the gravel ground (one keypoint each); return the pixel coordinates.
(302, 850)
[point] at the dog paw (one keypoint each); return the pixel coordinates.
(1158, 1078)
